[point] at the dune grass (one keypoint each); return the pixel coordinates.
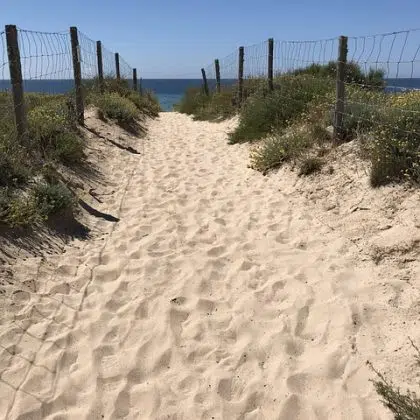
(403, 405)
(389, 123)
(213, 107)
(146, 104)
(54, 139)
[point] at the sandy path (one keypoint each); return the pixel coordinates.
(216, 296)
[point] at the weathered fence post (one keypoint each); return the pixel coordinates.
(270, 63)
(135, 79)
(217, 69)
(241, 76)
(17, 83)
(117, 66)
(77, 70)
(340, 90)
(100, 66)
(205, 85)
(141, 86)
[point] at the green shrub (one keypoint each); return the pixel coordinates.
(373, 79)
(33, 100)
(361, 110)
(54, 133)
(219, 106)
(110, 85)
(310, 165)
(14, 169)
(262, 113)
(147, 103)
(394, 150)
(319, 134)
(52, 198)
(45, 123)
(4, 202)
(17, 210)
(69, 148)
(116, 107)
(277, 149)
(193, 101)
(252, 86)
(113, 85)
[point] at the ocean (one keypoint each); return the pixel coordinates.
(170, 91)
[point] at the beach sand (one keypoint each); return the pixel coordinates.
(220, 293)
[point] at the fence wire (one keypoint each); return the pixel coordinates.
(6, 103)
(211, 76)
(396, 54)
(293, 55)
(256, 60)
(381, 100)
(88, 57)
(46, 61)
(108, 60)
(4, 63)
(229, 67)
(126, 71)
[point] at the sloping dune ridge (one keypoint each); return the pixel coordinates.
(220, 293)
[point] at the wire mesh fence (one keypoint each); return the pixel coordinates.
(256, 60)
(365, 87)
(126, 71)
(6, 103)
(292, 55)
(49, 63)
(88, 57)
(46, 61)
(108, 60)
(228, 72)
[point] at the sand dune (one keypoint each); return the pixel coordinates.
(220, 293)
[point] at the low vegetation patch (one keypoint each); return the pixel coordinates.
(53, 138)
(193, 102)
(218, 106)
(51, 199)
(28, 193)
(20, 208)
(116, 107)
(403, 405)
(264, 113)
(54, 134)
(310, 165)
(388, 123)
(279, 148)
(146, 103)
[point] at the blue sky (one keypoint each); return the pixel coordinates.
(174, 38)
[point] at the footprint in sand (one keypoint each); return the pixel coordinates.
(216, 251)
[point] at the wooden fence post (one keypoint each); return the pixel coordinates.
(241, 76)
(117, 66)
(77, 70)
(141, 86)
(205, 85)
(270, 63)
(100, 66)
(217, 68)
(15, 68)
(340, 90)
(135, 79)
